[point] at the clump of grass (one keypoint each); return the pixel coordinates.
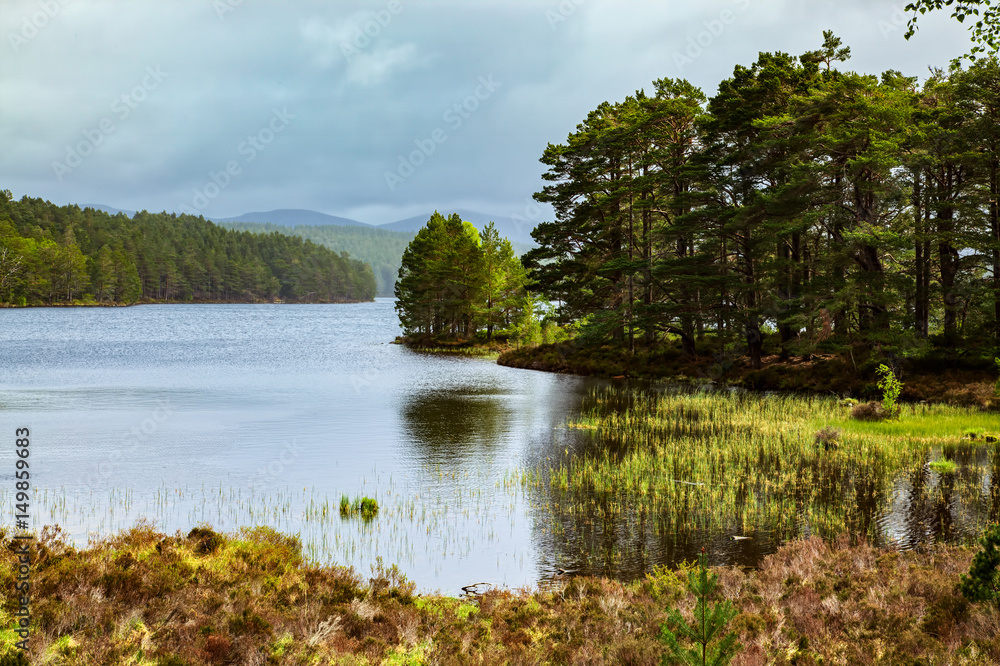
(828, 437)
(365, 507)
(944, 466)
(206, 540)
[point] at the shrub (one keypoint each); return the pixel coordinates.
(982, 583)
(869, 411)
(208, 540)
(891, 388)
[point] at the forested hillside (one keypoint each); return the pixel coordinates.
(802, 206)
(381, 248)
(61, 254)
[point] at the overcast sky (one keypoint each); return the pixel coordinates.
(370, 110)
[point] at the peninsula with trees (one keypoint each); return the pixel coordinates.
(795, 229)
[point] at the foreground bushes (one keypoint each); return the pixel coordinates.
(142, 597)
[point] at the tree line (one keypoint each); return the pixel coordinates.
(61, 254)
(455, 281)
(826, 208)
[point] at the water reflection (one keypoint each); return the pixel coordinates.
(456, 426)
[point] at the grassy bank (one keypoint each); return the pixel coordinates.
(473, 347)
(145, 598)
(948, 380)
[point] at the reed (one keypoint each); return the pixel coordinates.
(672, 465)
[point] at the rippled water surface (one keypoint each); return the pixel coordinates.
(238, 415)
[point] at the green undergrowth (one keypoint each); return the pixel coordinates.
(145, 598)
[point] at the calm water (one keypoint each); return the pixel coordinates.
(240, 415)
(265, 414)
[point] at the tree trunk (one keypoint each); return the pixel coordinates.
(995, 229)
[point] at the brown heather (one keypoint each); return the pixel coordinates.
(148, 599)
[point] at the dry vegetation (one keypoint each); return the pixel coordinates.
(249, 598)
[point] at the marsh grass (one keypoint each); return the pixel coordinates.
(676, 464)
(365, 507)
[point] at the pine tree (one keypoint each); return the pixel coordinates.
(710, 646)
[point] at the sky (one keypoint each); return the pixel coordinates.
(375, 110)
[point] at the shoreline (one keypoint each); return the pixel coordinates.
(817, 374)
(9, 306)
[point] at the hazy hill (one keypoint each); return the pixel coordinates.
(290, 217)
(109, 210)
(508, 228)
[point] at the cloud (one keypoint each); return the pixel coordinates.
(377, 66)
(325, 41)
(365, 80)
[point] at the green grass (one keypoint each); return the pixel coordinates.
(944, 466)
(933, 423)
(365, 507)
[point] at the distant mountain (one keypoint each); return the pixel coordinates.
(109, 210)
(291, 217)
(508, 228)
